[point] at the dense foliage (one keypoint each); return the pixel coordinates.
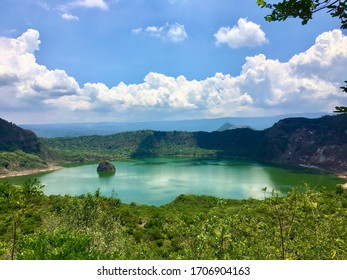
(240, 142)
(14, 138)
(19, 160)
(304, 9)
(302, 225)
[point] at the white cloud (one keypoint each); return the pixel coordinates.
(173, 33)
(68, 16)
(24, 77)
(137, 30)
(28, 42)
(73, 103)
(245, 34)
(44, 6)
(64, 10)
(99, 4)
(177, 33)
(308, 82)
(155, 31)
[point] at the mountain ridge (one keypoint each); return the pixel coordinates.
(319, 143)
(106, 128)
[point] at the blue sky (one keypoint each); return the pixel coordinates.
(137, 60)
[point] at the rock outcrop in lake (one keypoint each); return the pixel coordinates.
(106, 167)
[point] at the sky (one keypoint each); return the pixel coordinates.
(65, 61)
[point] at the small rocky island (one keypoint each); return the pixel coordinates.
(106, 167)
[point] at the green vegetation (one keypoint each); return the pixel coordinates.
(304, 9)
(302, 225)
(13, 138)
(19, 160)
(238, 143)
(20, 149)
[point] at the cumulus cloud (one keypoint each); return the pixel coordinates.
(24, 77)
(173, 33)
(308, 82)
(245, 34)
(177, 33)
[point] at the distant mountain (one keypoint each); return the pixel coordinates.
(14, 138)
(106, 128)
(229, 126)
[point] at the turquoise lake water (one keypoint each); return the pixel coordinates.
(156, 181)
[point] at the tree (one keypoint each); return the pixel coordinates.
(304, 9)
(20, 201)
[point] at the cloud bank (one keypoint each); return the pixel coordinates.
(308, 82)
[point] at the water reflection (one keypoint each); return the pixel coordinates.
(159, 181)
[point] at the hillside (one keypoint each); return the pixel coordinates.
(320, 143)
(229, 126)
(20, 149)
(14, 138)
(317, 143)
(93, 227)
(237, 143)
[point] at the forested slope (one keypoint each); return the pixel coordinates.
(320, 143)
(20, 149)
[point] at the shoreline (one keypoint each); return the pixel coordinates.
(29, 171)
(344, 186)
(50, 168)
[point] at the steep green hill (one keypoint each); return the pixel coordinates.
(14, 138)
(237, 143)
(20, 149)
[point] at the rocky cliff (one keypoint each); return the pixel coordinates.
(14, 138)
(320, 143)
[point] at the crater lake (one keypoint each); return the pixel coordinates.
(156, 181)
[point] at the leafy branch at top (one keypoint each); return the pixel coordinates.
(304, 9)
